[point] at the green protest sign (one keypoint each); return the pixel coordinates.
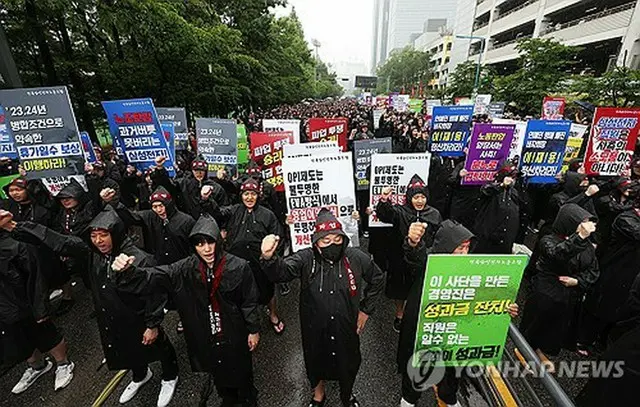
(243, 148)
(463, 312)
(4, 181)
(415, 105)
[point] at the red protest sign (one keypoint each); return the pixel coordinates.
(553, 108)
(612, 141)
(266, 151)
(329, 130)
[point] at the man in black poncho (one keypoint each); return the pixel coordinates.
(415, 209)
(334, 305)
(217, 298)
(247, 223)
(129, 320)
(191, 184)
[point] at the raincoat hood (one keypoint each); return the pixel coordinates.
(450, 235)
(568, 219)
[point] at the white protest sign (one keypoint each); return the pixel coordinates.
(395, 171)
(517, 143)
(310, 185)
(308, 149)
(279, 125)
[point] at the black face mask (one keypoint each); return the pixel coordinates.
(332, 252)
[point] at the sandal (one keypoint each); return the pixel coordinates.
(583, 350)
(277, 325)
(179, 328)
(315, 403)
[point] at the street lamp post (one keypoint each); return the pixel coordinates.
(316, 45)
(482, 45)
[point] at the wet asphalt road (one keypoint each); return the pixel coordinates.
(278, 366)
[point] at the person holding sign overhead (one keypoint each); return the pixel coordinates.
(335, 304)
(415, 209)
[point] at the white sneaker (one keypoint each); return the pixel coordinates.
(455, 405)
(405, 403)
(29, 377)
(133, 387)
(55, 294)
(64, 375)
(166, 392)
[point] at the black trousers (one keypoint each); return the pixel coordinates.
(362, 198)
(167, 355)
(246, 396)
(447, 388)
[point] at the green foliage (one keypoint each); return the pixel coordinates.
(404, 69)
(462, 80)
(326, 84)
(619, 87)
(211, 56)
(543, 70)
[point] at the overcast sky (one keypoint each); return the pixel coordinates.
(343, 27)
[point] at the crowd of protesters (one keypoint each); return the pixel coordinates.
(213, 247)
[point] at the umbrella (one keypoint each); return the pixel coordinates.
(585, 105)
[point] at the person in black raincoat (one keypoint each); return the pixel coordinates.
(415, 209)
(248, 223)
(77, 209)
(439, 188)
(464, 198)
(498, 220)
(129, 320)
(26, 332)
(618, 269)
(621, 388)
(620, 199)
(217, 299)
(334, 303)
(566, 269)
(190, 186)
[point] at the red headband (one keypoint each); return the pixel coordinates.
(250, 186)
(160, 196)
(416, 185)
(199, 165)
(254, 170)
(328, 226)
(19, 182)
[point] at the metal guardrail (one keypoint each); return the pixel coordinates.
(513, 10)
(603, 13)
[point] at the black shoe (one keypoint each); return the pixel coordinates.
(315, 403)
(65, 306)
(354, 402)
(397, 323)
(284, 289)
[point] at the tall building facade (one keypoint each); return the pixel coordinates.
(380, 33)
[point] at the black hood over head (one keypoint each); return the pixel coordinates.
(416, 186)
(568, 219)
(327, 224)
(163, 196)
(109, 220)
(575, 164)
(572, 182)
(208, 227)
(450, 235)
(73, 190)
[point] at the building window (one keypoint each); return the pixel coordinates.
(449, 45)
(446, 60)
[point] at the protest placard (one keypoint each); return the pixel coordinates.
(135, 125)
(168, 130)
(463, 314)
(612, 141)
(41, 123)
(544, 144)
(574, 144)
(377, 114)
(401, 103)
(450, 130)
(283, 125)
(218, 144)
(243, 148)
(496, 110)
(382, 102)
(415, 105)
(177, 115)
(4, 181)
(266, 151)
(553, 108)
(517, 142)
(321, 129)
(309, 149)
(87, 148)
(395, 171)
(310, 185)
(362, 152)
(7, 147)
(481, 105)
(57, 184)
(488, 149)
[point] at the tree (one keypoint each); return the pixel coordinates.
(326, 84)
(619, 87)
(403, 70)
(462, 80)
(543, 70)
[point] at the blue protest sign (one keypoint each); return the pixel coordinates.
(135, 124)
(451, 126)
(7, 148)
(178, 116)
(43, 128)
(544, 146)
(87, 148)
(218, 144)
